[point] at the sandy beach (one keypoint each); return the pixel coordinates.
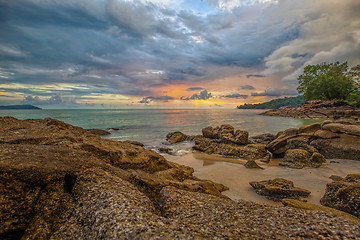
(232, 173)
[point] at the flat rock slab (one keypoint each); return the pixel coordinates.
(279, 188)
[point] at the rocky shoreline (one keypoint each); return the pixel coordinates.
(64, 182)
(307, 146)
(318, 110)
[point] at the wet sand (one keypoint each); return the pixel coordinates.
(233, 174)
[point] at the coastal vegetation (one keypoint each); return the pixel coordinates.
(333, 81)
(276, 103)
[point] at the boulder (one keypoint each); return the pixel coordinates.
(278, 146)
(175, 137)
(299, 158)
(165, 150)
(226, 130)
(265, 138)
(241, 137)
(343, 147)
(344, 195)
(324, 134)
(343, 128)
(298, 143)
(279, 188)
(210, 132)
(310, 129)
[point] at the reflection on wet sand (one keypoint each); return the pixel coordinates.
(232, 173)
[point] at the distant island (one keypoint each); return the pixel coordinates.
(276, 103)
(19, 107)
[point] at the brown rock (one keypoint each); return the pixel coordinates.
(310, 129)
(210, 132)
(134, 143)
(336, 178)
(265, 138)
(278, 146)
(315, 207)
(99, 132)
(343, 147)
(299, 143)
(344, 195)
(252, 164)
(278, 189)
(165, 150)
(324, 134)
(317, 158)
(343, 128)
(299, 158)
(226, 129)
(175, 137)
(241, 137)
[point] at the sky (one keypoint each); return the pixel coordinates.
(167, 53)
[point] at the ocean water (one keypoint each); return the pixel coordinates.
(151, 126)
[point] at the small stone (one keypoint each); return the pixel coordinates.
(252, 164)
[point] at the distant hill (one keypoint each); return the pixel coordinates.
(19, 107)
(276, 103)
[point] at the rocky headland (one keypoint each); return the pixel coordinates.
(319, 110)
(58, 181)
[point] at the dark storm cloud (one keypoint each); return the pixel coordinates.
(247, 87)
(194, 89)
(236, 95)
(254, 75)
(276, 92)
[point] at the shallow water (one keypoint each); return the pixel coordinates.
(233, 174)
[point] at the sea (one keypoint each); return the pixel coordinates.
(150, 127)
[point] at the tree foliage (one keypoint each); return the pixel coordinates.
(332, 81)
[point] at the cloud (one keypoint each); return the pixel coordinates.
(328, 32)
(254, 75)
(53, 100)
(236, 95)
(203, 95)
(149, 99)
(276, 92)
(247, 87)
(194, 89)
(134, 47)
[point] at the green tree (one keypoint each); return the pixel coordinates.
(332, 81)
